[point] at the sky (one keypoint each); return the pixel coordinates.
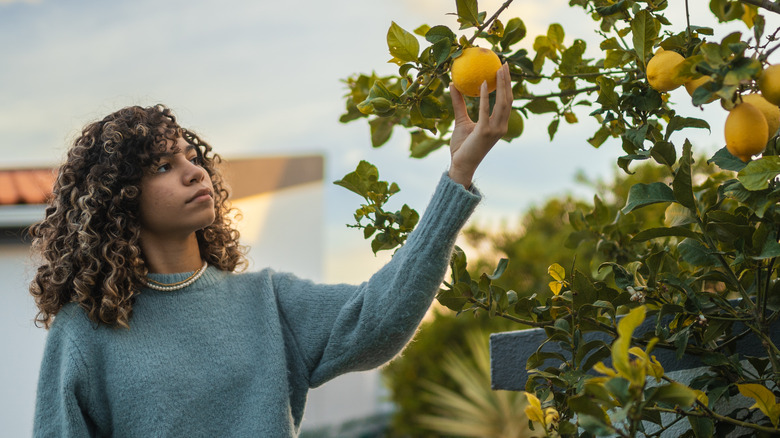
(259, 78)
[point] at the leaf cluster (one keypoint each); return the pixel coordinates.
(388, 229)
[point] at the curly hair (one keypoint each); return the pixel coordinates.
(89, 240)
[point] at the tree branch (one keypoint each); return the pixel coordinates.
(490, 20)
(764, 4)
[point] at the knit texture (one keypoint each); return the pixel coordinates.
(234, 355)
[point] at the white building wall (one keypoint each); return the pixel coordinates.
(21, 343)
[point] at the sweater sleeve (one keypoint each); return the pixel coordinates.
(341, 328)
(61, 400)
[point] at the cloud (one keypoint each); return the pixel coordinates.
(8, 2)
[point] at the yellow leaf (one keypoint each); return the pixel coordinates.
(555, 287)
(702, 397)
(749, 15)
(603, 369)
(533, 401)
(655, 369)
(534, 409)
(765, 399)
(620, 347)
(551, 416)
(557, 272)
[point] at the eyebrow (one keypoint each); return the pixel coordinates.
(175, 150)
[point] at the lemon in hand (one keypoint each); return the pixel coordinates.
(746, 131)
(661, 70)
(473, 67)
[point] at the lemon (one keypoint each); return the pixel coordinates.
(771, 112)
(769, 84)
(473, 67)
(746, 131)
(661, 70)
(693, 84)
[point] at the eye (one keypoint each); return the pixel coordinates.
(162, 168)
(197, 160)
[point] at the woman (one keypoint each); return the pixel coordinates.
(154, 334)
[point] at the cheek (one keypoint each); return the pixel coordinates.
(156, 202)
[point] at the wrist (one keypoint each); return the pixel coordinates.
(461, 177)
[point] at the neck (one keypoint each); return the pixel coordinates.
(170, 256)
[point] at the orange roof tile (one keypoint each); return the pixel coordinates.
(26, 186)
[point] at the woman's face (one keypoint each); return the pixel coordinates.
(177, 195)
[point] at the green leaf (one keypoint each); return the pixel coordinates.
(431, 107)
(664, 153)
(552, 128)
(452, 299)
(422, 145)
(608, 98)
(623, 278)
(605, 11)
(440, 51)
(556, 33)
(468, 14)
(583, 404)
(677, 123)
(682, 185)
(695, 253)
(676, 215)
(644, 30)
(726, 161)
(541, 106)
(757, 174)
(641, 195)
(702, 427)
(381, 129)
(675, 394)
(514, 31)
(770, 248)
(594, 426)
(439, 33)
(403, 45)
(499, 271)
(653, 233)
(572, 57)
(359, 181)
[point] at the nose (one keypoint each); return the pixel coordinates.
(194, 174)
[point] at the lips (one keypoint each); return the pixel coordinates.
(201, 194)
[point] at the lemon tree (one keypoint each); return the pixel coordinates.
(710, 270)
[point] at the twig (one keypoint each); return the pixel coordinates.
(711, 414)
(688, 20)
(490, 20)
(561, 94)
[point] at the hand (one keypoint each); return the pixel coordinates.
(471, 142)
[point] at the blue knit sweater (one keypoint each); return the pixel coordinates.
(233, 355)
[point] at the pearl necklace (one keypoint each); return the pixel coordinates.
(156, 285)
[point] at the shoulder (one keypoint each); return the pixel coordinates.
(72, 319)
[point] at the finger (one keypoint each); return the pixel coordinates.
(484, 103)
(458, 104)
(503, 104)
(508, 81)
